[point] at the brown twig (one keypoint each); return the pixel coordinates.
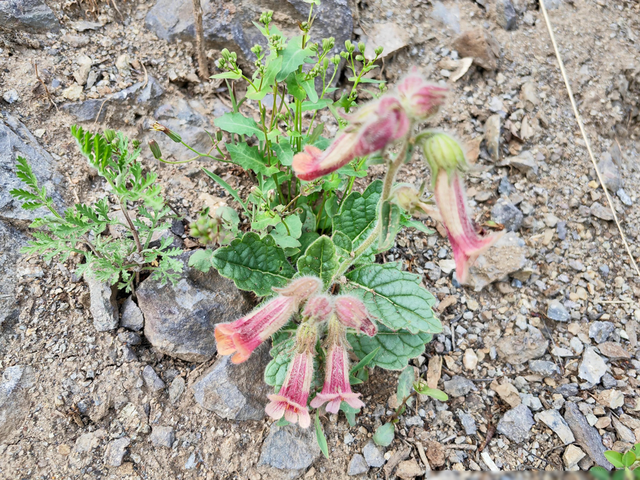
(203, 68)
(46, 90)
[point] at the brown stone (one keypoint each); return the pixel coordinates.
(435, 454)
(481, 46)
(409, 469)
(613, 350)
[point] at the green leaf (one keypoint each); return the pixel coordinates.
(405, 382)
(266, 83)
(320, 104)
(232, 191)
(287, 232)
(600, 473)
(384, 434)
(319, 260)
(227, 75)
(629, 458)
(390, 218)
(292, 57)
(364, 362)
(238, 123)
(202, 260)
(615, 458)
(250, 158)
(396, 348)
(309, 87)
(284, 152)
(423, 389)
(421, 227)
(343, 243)
(254, 264)
(349, 412)
(394, 297)
(358, 213)
(322, 440)
(306, 239)
(295, 89)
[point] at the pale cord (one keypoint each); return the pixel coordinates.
(584, 134)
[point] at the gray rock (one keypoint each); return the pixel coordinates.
(180, 320)
(10, 96)
(531, 401)
(14, 399)
(610, 173)
(129, 338)
(414, 421)
(523, 346)
(12, 240)
(290, 450)
(516, 424)
(600, 331)
(16, 140)
(625, 434)
(505, 187)
(544, 367)
(162, 436)
(507, 214)
(506, 15)
(526, 163)
(553, 420)
(608, 381)
(600, 211)
(557, 311)
(458, 386)
(176, 389)
(151, 379)
(593, 366)
(586, 435)
(131, 316)
(568, 390)
(468, 422)
(27, 15)
(624, 198)
(231, 390)
(232, 28)
(128, 354)
(552, 4)
(506, 256)
(104, 307)
(492, 136)
(96, 109)
(115, 451)
(357, 465)
(373, 455)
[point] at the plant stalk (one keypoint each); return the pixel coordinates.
(203, 67)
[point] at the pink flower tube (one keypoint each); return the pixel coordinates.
(244, 335)
(291, 400)
(372, 128)
(420, 98)
(352, 313)
(336, 388)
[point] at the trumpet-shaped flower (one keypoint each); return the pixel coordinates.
(244, 335)
(291, 400)
(446, 160)
(352, 313)
(420, 98)
(371, 129)
(318, 307)
(336, 388)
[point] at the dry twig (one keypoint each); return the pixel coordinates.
(203, 68)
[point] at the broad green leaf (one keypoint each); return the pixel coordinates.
(264, 220)
(238, 123)
(358, 213)
(319, 260)
(250, 158)
(287, 232)
(615, 458)
(629, 458)
(405, 382)
(343, 243)
(322, 440)
(395, 298)
(284, 152)
(292, 57)
(295, 89)
(390, 218)
(266, 83)
(202, 260)
(320, 104)
(349, 412)
(309, 87)
(619, 475)
(254, 264)
(227, 75)
(276, 370)
(384, 434)
(396, 348)
(306, 239)
(600, 473)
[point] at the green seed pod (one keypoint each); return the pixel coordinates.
(172, 135)
(155, 149)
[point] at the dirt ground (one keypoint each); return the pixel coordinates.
(76, 366)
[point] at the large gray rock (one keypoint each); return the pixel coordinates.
(229, 24)
(231, 390)
(506, 256)
(27, 15)
(14, 399)
(11, 240)
(516, 424)
(586, 435)
(104, 307)
(180, 320)
(16, 140)
(288, 451)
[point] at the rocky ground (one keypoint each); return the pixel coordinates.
(539, 353)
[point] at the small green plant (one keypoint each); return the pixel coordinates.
(626, 464)
(84, 229)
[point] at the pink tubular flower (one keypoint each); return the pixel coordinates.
(318, 307)
(244, 335)
(336, 388)
(446, 160)
(352, 313)
(371, 129)
(291, 400)
(420, 98)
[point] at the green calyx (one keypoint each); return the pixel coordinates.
(442, 152)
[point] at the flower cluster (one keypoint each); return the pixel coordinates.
(320, 313)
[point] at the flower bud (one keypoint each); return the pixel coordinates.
(361, 47)
(379, 50)
(172, 135)
(352, 313)
(155, 149)
(301, 288)
(318, 307)
(442, 151)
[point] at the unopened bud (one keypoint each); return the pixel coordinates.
(155, 149)
(379, 50)
(352, 313)
(442, 151)
(172, 135)
(301, 288)
(318, 307)
(361, 47)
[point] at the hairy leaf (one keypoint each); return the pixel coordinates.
(358, 212)
(384, 434)
(319, 260)
(202, 260)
